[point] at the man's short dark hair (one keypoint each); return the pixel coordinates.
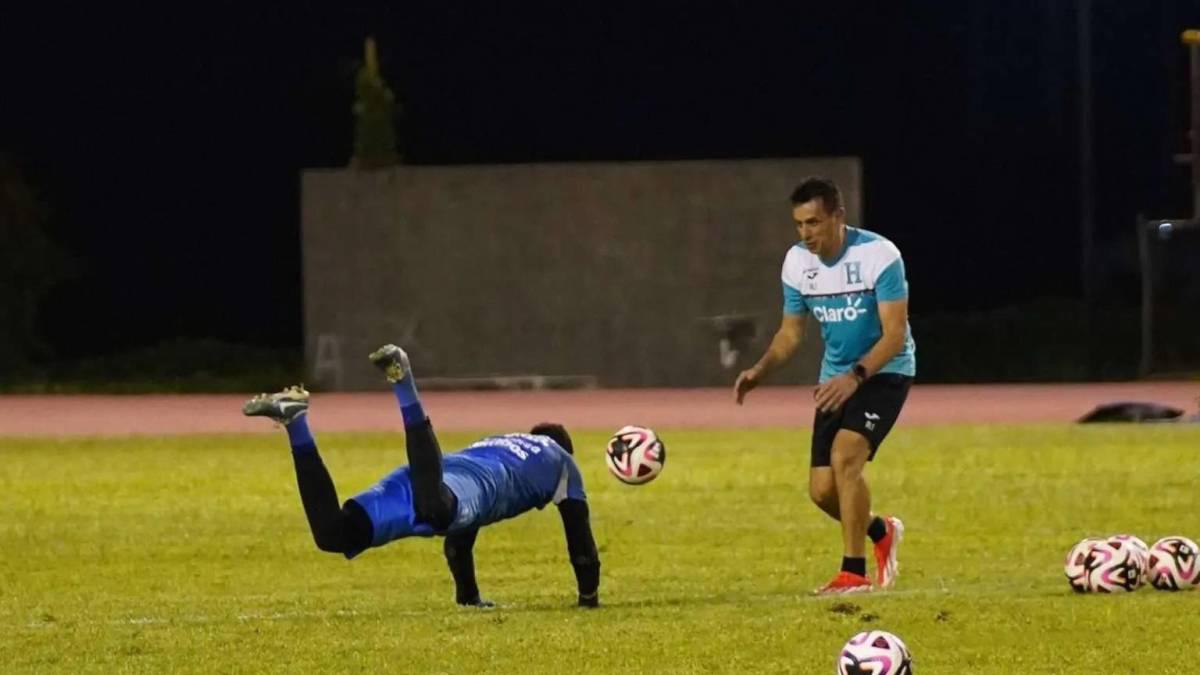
(821, 188)
(557, 433)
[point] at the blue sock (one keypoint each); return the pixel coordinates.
(410, 402)
(300, 437)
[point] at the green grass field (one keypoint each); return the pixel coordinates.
(192, 555)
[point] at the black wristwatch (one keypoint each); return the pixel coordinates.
(860, 372)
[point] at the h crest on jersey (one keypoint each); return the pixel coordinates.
(853, 272)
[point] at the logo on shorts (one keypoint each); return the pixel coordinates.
(871, 419)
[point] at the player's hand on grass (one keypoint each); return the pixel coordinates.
(836, 391)
(746, 380)
(590, 601)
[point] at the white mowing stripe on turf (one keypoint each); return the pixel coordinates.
(1015, 591)
(277, 616)
(287, 616)
(201, 618)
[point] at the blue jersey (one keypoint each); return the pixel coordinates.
(496, 478)
(844, 296)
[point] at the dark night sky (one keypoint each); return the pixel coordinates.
(169, 146)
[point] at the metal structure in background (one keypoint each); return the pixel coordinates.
(1150, 230)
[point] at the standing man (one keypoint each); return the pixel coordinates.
(852, 281)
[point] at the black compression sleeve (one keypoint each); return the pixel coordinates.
(434, 502)
(581, 546)
(336, 529)
(459, 548)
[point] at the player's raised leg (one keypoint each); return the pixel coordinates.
(335, 529)
(394, 363)
(433, 500)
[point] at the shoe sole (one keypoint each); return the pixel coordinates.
(273, 411)
(892, 569)
(271, 405)
(383, 358)
(844, 591)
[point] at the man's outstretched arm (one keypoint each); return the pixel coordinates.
(459, 548)
(582, 548)
(785, 343)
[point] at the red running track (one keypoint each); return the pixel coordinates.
(53, 415)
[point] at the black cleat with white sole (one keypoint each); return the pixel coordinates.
(282, 407)
(392, 361)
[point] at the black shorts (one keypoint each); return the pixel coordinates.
(872, 411)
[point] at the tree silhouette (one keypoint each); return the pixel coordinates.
(30, 265)
(375, 111)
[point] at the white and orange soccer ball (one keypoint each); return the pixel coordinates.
(635, 455)
(1173, 564)
(875, 652)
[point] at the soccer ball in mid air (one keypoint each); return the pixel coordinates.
(1114, 566)
(1173, 564)
(875, 652)
(635, 455)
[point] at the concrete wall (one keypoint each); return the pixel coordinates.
(600, 269)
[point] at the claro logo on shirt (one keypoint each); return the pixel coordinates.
(850, 312)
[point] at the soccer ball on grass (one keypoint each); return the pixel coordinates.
(1107, 566)
(1173, 564)
(875, 652)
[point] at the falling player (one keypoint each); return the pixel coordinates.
(496, 478)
